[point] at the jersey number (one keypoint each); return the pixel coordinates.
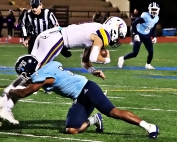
(148, 29)
(69, 72)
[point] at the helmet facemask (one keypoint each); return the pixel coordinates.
(116, 35)
(117, 30)
(154, 9)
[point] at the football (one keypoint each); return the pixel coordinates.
(103, 52)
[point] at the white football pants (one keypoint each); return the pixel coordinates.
(47, 46)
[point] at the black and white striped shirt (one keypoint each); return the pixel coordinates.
(33, 24)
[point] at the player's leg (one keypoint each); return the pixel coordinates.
(31, 44)
(133, 54)
(47, 46)
(149, 47)
(7, 102)
(96, 98)
(77, 118)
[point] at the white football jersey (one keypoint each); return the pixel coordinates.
(79, 35)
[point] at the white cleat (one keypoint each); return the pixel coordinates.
(153, 131)
(149, 67)
(121, 61)
(131, 43)
(8, 115)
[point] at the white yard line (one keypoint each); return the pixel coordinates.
(145, 95)
(78, 50)
(112, 97)
(32, 101)
(3, 79)
(51, 137)
(134, 108)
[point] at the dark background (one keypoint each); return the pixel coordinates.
(167, 14)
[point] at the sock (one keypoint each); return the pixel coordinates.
(145, 125)
(10, 104)
(3, 100)
(91, 120)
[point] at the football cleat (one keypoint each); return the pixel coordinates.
(99, 122)
(149, 67)
(121, 61)
(153, 131)
(8, 115)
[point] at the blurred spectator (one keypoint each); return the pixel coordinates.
(10, 23)
(97, 17)
(19, 25)
(1, 23)
(133, 17)
(106, 16)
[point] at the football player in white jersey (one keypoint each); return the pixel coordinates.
(90, 36)
(144, 28)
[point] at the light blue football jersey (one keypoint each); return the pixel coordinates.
(67, 84)
(145, 28)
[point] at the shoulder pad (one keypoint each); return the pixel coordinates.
(104, 35)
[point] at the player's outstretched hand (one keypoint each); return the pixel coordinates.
(99, 73)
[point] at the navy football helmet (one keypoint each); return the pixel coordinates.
(26, 65)
(154, 9)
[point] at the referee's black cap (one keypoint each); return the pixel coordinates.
(35, 3)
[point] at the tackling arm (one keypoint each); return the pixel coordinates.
(31, 88)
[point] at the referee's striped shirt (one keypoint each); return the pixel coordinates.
(33, 24)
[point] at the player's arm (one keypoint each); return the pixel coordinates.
(23, 92)
(95, 55)
(85, 62)
(153, 34)
(134, 23)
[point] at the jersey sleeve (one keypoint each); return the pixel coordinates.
(38, 78)
(144, 16)
(104, 35)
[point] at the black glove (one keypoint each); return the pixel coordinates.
(65, 52)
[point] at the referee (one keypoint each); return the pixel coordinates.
(35, 21)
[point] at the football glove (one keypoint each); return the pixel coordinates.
(154, 40)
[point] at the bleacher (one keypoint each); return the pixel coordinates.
(67, 11)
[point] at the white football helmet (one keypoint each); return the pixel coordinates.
(154, 9)
(116, 27)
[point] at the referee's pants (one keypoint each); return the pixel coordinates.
(31, 44)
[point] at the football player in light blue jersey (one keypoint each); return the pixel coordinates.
(144, 28)
(86, 94)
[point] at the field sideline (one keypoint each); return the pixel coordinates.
(161, 39)
(151, 94)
